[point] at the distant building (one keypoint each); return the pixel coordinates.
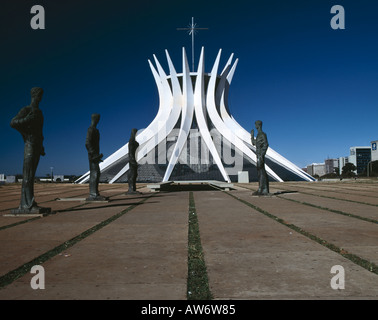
(374, 151)
(58, 178)
(316, 169)
(10, 179)
(360, 157)
(331, 165)
(342, 162)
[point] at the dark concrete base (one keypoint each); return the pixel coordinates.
(258, 194)
(70, 199)
(133, 192)
(33, 212)
(97, 199)
(226, 186)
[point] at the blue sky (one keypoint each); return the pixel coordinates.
(314, 88)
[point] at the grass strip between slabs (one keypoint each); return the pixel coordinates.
(331, 210)
(13, 275)
(368, 265)
(351, 215)
(334, 198)
(18, 223)
(198, 282)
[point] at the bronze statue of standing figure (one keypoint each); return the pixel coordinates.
(133, 164)
(29, 122)
(261, 143)
(92, 143)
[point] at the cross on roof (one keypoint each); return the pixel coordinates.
(192, 28)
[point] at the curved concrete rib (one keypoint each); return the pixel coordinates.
(170, 119)
(186, 118)
(220, 125)
(201, 121)
(168, 124)
(245, 136)
(144, 136)
(160, 122)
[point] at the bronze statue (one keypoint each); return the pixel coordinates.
(261, 143)
(92, 143)
(29, 122)
(133, 164)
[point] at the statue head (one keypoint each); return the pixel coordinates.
(36, 94)
(95, 118)
(258, 124)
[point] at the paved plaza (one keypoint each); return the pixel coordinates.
(135, 247)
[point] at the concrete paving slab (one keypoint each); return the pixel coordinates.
(343, 231)
(27, 241)
(141, 255)
(357, 192)
(366, 211)
(250, 256)
(13, 220)
(45, 193)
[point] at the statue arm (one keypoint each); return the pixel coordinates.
(89, 142)
(253, 139)
(265, 145)
(22, 117)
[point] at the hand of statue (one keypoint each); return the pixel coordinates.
(97, 157)
(43, 152)
(252, 133)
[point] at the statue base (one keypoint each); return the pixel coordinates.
(133, 192)
(262, 194)
(97, 199)
(70, 199)
(33, 212)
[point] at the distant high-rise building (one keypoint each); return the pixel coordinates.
(331, 165)
(316, 169)
(342, 162)
(360, 157)
(374, 151)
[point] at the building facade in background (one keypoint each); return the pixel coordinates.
(331, 165)
(374, 151)
(360, 157)
(342, 162)
(316, 169)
